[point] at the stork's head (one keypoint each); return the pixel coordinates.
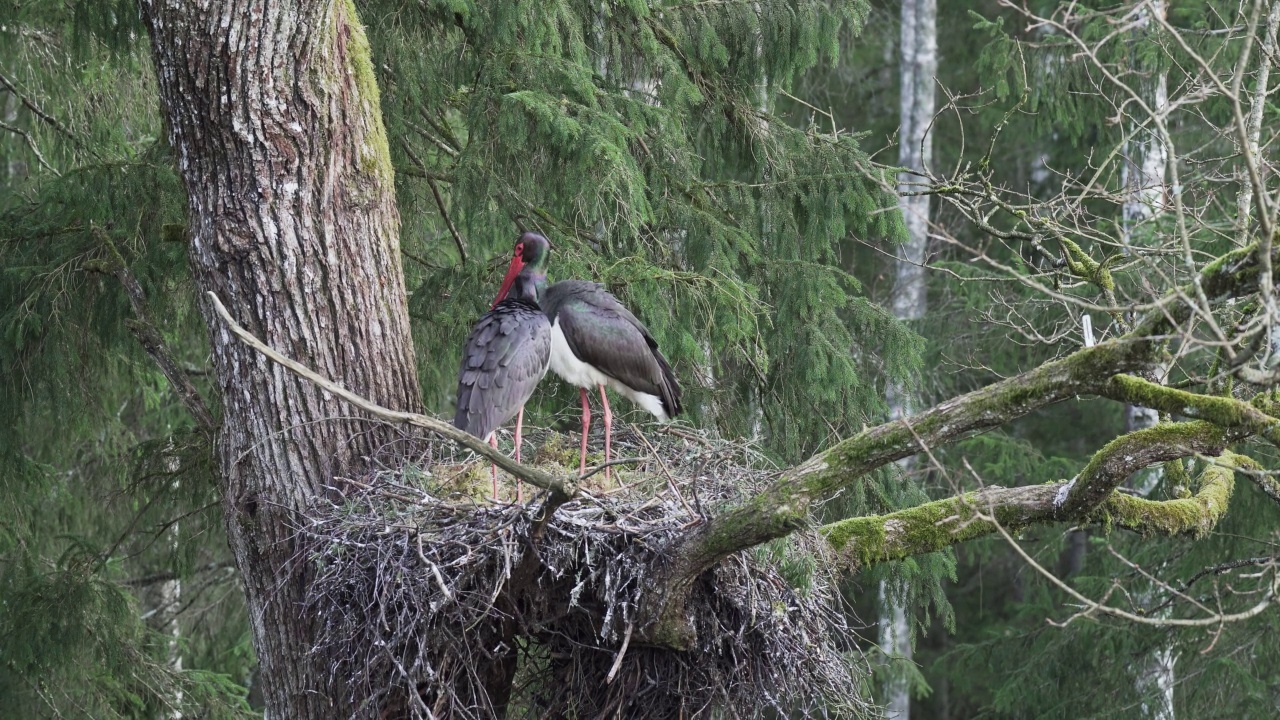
(529, 259)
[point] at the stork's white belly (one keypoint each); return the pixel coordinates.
(567, 365)
(577, 373)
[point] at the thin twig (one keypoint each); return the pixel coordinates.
(611, 463)
(457, 238)
(38, 112)
(31, 143)
(144, 329)
(622, 652)
(671, 481)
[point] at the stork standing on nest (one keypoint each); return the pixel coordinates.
(598, 343)
(508, 351)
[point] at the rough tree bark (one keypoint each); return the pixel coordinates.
(273, 113)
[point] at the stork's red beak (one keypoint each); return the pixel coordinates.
(517, 264)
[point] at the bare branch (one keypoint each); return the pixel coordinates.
(563, 488)
(31, 143)
(36, 110)
(457, 238)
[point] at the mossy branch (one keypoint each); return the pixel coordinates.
(1195, 516)
(784, 507)
(943, 523)
(1127, 454)
(1225, 412)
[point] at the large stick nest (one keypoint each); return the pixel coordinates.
(437, 602)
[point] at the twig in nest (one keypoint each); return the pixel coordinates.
(611, 463)
(671, 481)
(622, 652)
(435, 570)
(673, 430)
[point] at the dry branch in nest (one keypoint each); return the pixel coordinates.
(440, 605)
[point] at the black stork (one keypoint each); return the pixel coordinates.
(596, 342)
(508, 351)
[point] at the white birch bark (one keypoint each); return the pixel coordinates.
(918, 66)
(1143, 175)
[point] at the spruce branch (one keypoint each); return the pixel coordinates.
(148, 335)
(427, 135)
(31, 143)
(444, 213)
(45, 117)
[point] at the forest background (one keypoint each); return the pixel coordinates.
(740, 191)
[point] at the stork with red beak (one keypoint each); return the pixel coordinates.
(508, 351)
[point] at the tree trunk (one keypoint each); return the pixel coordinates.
(1143, 175)
(918, 66)
(273, 113)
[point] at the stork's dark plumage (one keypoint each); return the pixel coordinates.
(507, 352)
(596, 342)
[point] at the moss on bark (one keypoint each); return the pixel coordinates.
(937, 525)
(357, 58)
(1225, 412)
(1194, 516)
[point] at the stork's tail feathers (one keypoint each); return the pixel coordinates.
(670, 387)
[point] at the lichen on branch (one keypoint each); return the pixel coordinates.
(934, 526)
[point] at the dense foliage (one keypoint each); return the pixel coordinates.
(720, 166)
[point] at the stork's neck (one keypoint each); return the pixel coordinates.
(527, 286)
(537, 279)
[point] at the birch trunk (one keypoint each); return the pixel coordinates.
(1143, 175)
(918, 66)
(273, 114)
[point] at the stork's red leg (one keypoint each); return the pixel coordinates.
(586, 427)
(493, 443)
(519, 425)
(608, 429)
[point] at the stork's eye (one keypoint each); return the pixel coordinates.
(519, 249)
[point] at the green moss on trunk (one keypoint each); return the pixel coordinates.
(357, 60)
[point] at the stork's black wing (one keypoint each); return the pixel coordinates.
(504, 358)
(603, 333)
